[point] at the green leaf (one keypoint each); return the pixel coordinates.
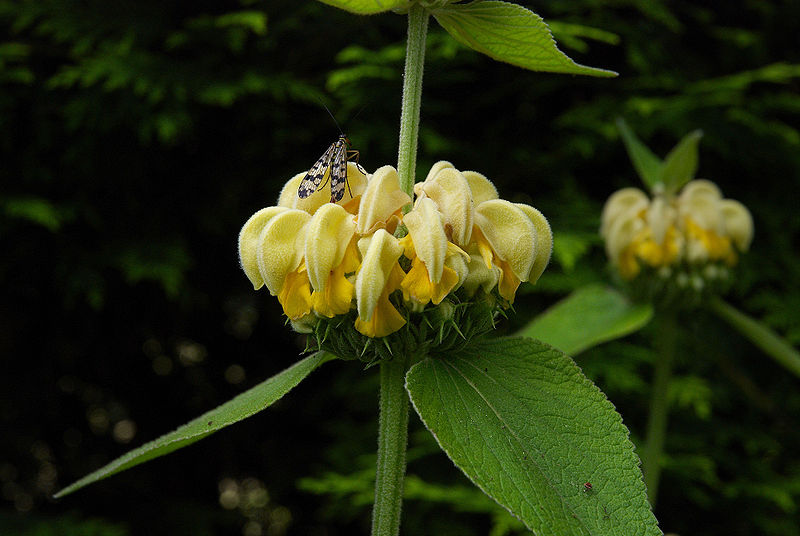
(589, 316)
(760, 335)
(680, 164)
(647, 164)
(366, 7)
(522, 422)
(239, 408)
(510, 33)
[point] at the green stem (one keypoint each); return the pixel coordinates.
(392, 439)
(393, 425)
(759, 334)
(659, 407)
(412, 97)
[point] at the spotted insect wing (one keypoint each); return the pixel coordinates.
(335, 158)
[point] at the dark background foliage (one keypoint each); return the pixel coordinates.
(137, 137)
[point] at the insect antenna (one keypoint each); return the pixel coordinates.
(332, 116)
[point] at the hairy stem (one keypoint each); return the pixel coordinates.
(393, 424)
(392, 439)
(659, 406)
(412, 97)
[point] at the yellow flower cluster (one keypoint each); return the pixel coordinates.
(696, 227)
(323, 259)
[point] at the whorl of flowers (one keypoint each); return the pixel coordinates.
(364, 261)
(691, 238)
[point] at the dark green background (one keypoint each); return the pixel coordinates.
(137, 137)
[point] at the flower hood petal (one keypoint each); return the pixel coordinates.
(381, 199)
(327, 236)
(424, 224)
(451, 192)
(249, 242)
(544, 242)
(281, 247)
(510, 232)
(380, 253)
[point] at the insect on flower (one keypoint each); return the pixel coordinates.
(334, 158)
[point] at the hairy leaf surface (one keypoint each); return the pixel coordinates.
(528, 428)
(510, 33)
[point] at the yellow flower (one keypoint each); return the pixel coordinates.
(280, 261)
(696, 227)
(379, 275)
(514, 240)
(323, 260)
(249, 243)
(331, 254)
(426, 244)
(382, 202)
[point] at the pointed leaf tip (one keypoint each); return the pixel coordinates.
(680, 165)
(239, 408)
(510, 33)
(645, 162)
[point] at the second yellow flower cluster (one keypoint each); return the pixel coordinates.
(697, 227)
(323, 259)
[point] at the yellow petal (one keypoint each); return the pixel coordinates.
(626, 203)
(480, 276)
(436, 168)
(700, 188)
(620, 235)
(660, 216)
(483, 247)
(288, 197)
(280, 247)
(700, 201)
(248, 243)
(510, 232)
(337, 296)
(416, 285)
(408, 247)
(328, 234)
(295, 295)
(509, 282)
(380, 253)
(457, 260)
(738, 223)
(424, 224)
(450, 191)
(381, 199)
(482, 188)
(544, 242)
(383, 321)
